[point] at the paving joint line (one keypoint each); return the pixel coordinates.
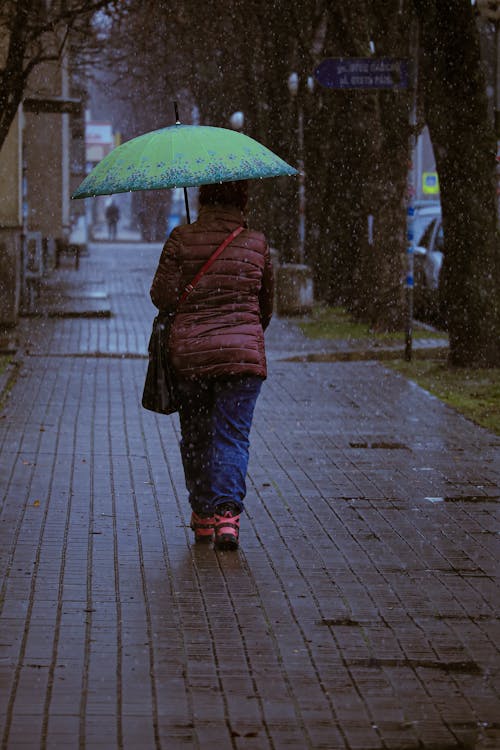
(87, 355)
(422, 683)
(118, 606)
(24, 640)
(209, 625)
(147, 605)
(62, 571)
(169, 568)
(305, 640)
(89, 581)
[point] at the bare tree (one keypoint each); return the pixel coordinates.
(33, 32)
(238, 55)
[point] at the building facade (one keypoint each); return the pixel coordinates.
(35, 184)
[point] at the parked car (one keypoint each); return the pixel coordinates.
(428, 262)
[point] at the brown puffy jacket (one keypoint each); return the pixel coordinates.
(218, 329)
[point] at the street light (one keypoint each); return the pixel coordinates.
(236, 120)
(293, 88)
(293, 83)
(294, 288)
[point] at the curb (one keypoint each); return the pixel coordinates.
(368, 354)
(69, 313)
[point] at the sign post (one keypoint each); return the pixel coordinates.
(372, 73)
(410, 209)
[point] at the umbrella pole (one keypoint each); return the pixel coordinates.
(186, 201)
(187, 206)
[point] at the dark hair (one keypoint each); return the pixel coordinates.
(225, 193)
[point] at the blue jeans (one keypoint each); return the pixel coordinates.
(216, 416)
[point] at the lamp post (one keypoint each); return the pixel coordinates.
(237, 120)
(294, 89)
(295, 284)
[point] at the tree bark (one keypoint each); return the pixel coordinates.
(32, 33)
(367, 171)
(465, 148)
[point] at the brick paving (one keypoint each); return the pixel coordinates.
(362, 611)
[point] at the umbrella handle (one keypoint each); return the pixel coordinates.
(188, 217)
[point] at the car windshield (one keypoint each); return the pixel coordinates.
(422, 220)
(425, 239)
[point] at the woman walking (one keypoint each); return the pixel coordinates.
(216, 348)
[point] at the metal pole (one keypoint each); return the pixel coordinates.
(497, 108)
(25, 291)
(410, 212)
(186, 201)
(302, 187)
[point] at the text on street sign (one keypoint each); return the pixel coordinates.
(362, 73)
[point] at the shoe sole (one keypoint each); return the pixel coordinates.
(202, 534)
(206, 539)
(226, 542)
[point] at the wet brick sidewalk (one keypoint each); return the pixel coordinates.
(362, 611)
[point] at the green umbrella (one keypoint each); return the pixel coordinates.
(181, 156)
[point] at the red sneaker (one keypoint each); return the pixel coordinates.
(227, 530)
(203, 527)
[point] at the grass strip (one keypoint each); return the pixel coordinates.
(475, 393)
(335, 323)
(4, 361)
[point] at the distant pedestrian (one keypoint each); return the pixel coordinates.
(217, 349)
(112, 218)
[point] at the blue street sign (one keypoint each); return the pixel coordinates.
(362, 73)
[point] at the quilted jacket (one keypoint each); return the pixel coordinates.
(219, 329)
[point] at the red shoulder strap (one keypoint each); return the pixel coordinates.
(189, 288)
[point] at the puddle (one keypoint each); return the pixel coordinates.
(382, 445)
(473, 499)
(340, 622)
(86, 294)
(457, 667)
(465, 499)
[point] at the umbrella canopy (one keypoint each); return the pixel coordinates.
(182, 156)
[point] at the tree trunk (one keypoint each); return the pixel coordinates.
(382, 262)
(465, 148)
(367, 177)
(33, 33)
(12, 77)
